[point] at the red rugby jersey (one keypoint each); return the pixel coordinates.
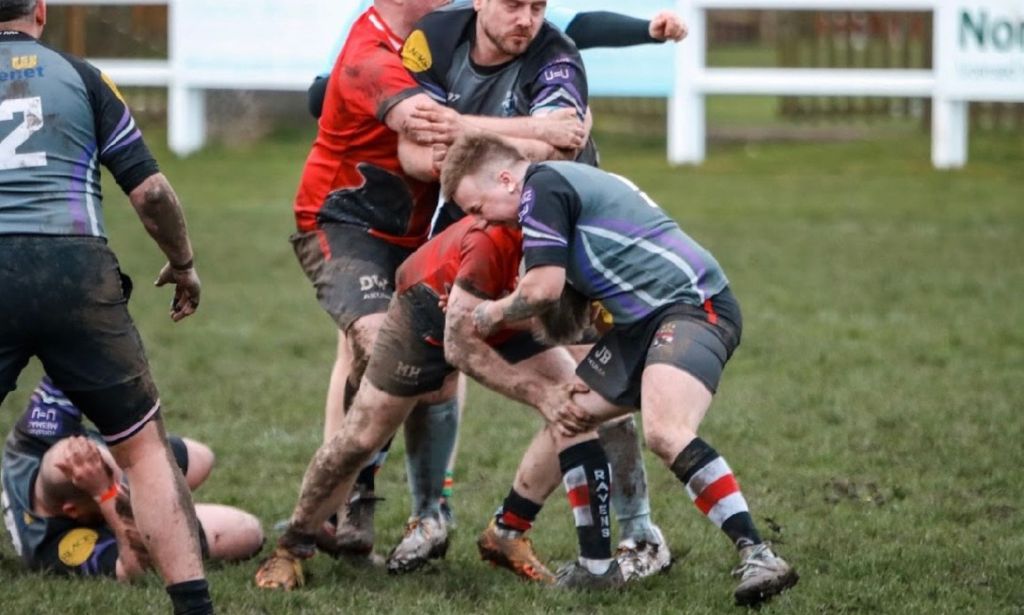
(481, 258)
(352, 174)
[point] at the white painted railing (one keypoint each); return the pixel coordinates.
(687, 132)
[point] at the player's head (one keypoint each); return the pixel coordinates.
(59, 494)
(484, 175)
(510, 25)
(26, 11)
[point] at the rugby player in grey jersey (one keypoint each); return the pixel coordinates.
(674, 321)
(62, 295)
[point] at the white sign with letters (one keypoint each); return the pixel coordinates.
(980, 49)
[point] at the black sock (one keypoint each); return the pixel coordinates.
(191, 597)
(517, 513)
(713, 488)
(587, 479)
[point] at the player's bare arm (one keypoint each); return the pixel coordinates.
(80, 460)
(157, 206)
(561, 128)
(467, 350)
(537, 291)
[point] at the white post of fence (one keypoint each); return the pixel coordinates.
(686, 121)
(949, 115)
(186, 105)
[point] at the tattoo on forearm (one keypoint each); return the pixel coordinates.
(519, 308)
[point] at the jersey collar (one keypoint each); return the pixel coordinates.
(15, 35)
(382, 27)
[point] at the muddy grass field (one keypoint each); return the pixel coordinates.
(873, 413)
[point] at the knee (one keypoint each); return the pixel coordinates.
(664, 443)
(200, 462)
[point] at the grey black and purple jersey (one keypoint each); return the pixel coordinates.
(549, 75)
(616, 245)
(60, 118)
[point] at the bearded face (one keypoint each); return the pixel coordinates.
(510, 25)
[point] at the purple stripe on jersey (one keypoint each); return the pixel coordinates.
(76, 203)
(135, 136)
(568, 88)
(435, 91)
(624, 299)
(530, 221)
(542, 243)
(92, 566)
(125, 118)
(665, 238)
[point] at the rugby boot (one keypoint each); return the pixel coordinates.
(516, 554)
(643, 558)
(762, 574)
(281, 570)
(575, 576)
(354, 535)
(425, 539)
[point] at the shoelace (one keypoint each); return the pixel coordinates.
(753, 562)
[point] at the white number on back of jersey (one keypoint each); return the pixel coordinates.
(31, 121)
(637, 189)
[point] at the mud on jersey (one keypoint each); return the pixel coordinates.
(60, 118)
(352, 174)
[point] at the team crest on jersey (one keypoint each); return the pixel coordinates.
(665, 336)
(508, 106)
(77, 545)
(416, 52)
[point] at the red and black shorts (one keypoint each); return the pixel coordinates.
(352, 271)
(696, 339)
(65, 300)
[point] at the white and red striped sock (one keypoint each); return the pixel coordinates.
(713, 488)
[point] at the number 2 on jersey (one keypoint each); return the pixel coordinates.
(31, 121)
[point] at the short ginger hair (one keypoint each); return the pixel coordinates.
(469, 155)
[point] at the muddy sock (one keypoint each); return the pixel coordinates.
(587, 480)
(516, 515)
(713, 488)
(191, 597)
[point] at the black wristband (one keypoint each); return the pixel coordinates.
(185, 267)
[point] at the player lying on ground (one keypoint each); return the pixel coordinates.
(675, 322)
(414, 360)
(66, 505)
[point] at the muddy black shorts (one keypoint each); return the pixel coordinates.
(65, 300)
(696, 339)
(408, 356)
(352, 271)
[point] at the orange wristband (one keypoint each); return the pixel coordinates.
(109, 494)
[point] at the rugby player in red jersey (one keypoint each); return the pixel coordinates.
(418, 352)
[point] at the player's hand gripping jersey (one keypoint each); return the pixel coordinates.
(549, 75)
(352, 174)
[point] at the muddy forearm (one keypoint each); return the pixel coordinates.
(157, 206)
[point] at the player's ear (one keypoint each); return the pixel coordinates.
(70, 510)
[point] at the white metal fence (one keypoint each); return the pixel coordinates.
(218, 44)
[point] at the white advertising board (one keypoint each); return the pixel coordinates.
(259, 44)
(979, 52)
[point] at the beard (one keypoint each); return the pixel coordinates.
(508, 45)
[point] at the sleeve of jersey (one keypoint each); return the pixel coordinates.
(547, 212)
(121, 146)
(375, 82)
(419, 61)
(481, 266)
(559, 83)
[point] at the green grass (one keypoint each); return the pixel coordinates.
(872, 412)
